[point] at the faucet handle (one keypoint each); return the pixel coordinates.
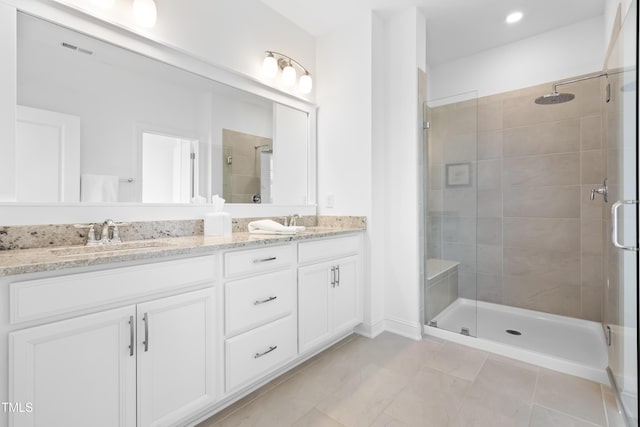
(91, 235)
(115, 237)
(91, 238)
(604, 191)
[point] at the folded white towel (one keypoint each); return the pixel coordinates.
(267, 226)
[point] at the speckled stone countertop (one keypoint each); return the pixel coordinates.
(23, 261)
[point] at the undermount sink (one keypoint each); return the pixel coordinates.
(101, 249)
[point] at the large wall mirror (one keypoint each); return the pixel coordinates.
(99, 123)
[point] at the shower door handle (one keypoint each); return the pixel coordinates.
(614, 224)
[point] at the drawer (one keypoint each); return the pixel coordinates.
(257, 300)
(259, 351)
(242, 263)
(321, 250)
(48, 297)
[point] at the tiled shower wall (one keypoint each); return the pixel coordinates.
(241, 165)
(524, 230)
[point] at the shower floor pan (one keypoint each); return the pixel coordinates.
(564, 344)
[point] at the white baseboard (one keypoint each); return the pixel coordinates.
(370, 331)
(403, 328)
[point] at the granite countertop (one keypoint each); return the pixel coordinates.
(22, 261)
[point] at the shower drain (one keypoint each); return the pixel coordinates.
(513, 332)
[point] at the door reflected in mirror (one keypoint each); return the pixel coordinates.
(157, 130)
(169, 168)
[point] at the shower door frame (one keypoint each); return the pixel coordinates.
(620, 304)
(466, 291)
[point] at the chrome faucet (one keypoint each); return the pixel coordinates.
(291, 220)
(105, 239)
(104, 236)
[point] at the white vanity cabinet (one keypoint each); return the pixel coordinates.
(260, 313)
(75, 372)
(148, 363)
(329, 295)
(175, 357)
(169, 343)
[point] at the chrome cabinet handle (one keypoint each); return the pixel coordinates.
(258, 302)
(338, 275)
(258, 355)
(257, 261)
(614, 224)
(131, 334)
(333, 276)
(146, 331)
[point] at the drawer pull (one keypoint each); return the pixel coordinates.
(258, 261)
(337, 275)
(333, 276)
(258, 302)
(257, 355)
(146, 331)
(131, 335)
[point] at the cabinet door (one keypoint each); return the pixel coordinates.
(76, 372)
(314, 293)
(345, 313)
(175, 357)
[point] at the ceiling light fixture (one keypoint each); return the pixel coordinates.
(514, 17)
(274, 61)
(145, 13)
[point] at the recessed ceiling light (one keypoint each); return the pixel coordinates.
(514, 17)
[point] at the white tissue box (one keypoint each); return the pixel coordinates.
(217, 224)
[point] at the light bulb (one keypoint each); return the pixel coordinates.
(270, 66)
(514, 17)
(289, 75)
(306, 83)
(104, 4)
(145, 12)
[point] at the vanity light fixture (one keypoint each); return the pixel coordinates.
(514, 17)
(270, 66)
(274, 61)
(289, 75)
(145, 12)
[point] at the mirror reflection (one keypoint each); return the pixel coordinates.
(98, 123)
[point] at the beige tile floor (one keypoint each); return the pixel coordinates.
(393, 381)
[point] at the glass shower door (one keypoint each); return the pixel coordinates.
(450, 288)
(621, 214)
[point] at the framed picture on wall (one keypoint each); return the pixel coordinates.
(458, 174)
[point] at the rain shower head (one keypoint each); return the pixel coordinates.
(555, 98)
(558, 98)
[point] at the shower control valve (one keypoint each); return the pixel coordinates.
(603, 191)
